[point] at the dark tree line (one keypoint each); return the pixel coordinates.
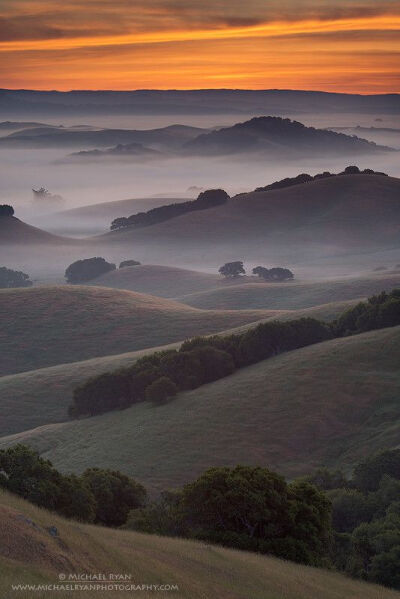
(305, 178)
(232, 270)
(159, 376)
(366, 517)
(206, 199)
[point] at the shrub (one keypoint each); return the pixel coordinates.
(161, 390)
(13, 278)
(6, 210)
(129, 263)
(87, 269)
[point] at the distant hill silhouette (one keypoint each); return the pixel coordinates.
(15, 231)
(278, 137)
(132, 150)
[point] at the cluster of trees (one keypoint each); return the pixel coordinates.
(206, 199)
(91, 268)
(161, 375)
(6, 210)
(366, 518)
(305, 177)
(231, 270)
(249, 508)
(378, 312)
(101, 496)
(13, 278)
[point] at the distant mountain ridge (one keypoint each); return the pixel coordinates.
(203, 101)
(276, 136)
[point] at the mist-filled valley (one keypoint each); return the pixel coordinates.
(200, 338)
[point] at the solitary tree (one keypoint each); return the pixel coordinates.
(85, 270)
(13, 278)
(6, 210)
(232, 269)
(212, 197)
(125, 263)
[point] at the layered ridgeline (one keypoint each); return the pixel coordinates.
(70, 323)
(334, 216)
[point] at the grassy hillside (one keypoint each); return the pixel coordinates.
(29, 554)
(327, 404)
(37, 397)
(44, 326)
(337, 214)
(15, 231)
(291, 295)
(111, 210)
(163, 281)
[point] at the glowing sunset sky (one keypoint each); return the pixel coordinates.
(332, 45)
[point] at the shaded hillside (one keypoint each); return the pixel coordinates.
(329, 216)
(15, 231)
(70, 323)
(278, 137)
(30, 554)
(290, 295)
(327, 404)
(38, 397)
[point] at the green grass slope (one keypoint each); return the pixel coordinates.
(44, 326)
(327, 404)
(291, 295)
(37, 397)
(30, 555)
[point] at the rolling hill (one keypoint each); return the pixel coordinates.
(37, 397)
(15, 231)
(350, 214)
(327, 404)
(163, 281)
(291, 295)
(278, 137)
(29, 554)
(70, 323)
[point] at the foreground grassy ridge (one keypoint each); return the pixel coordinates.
(37, 397)
(326, 404)
(44, 326)
(291, 295)
(29, 554)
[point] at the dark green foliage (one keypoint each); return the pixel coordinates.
(377, 312)
(86, 270)
(207, 199)
(232, 269)
(276, 274)
(6, 210)
(25, 473)
(126, 263)
(349, 509)
(115, 494)
(326, 479)
(13, 278)
(368, 474)
(247, 508)
(161, 390)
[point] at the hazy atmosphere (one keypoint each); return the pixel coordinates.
(200, 299)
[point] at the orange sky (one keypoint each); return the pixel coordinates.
(338, 45)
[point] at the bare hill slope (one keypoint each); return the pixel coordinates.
(70, 323)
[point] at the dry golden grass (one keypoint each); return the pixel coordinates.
(29, 554)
